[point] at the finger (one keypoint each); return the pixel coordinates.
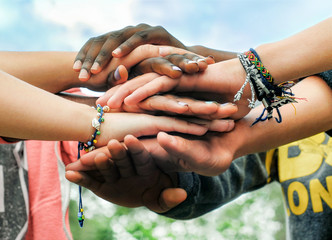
(208, 109)
(171, 104)
(127, 88)
(186, 62)
(86, 162)
(119, 76)
(217, 125)
(202, 63)
(128, 44)
(104, 56)
(194, 155)
(139, 38)
(143, 162)
(121, 159)
(81, 55)
(168, 124)
(154, 35)
(165, 103)
(158, 65)
(83, 180)
(106, 168)
(171, 197)
(210, 60)
(102, 100)
(225, 110)
(157, 85)
(88, 159)
(90, 58)
(187, 154)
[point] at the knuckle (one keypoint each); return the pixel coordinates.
(160, 28)
(88, 59)
(143, 35)
(143, 26)
(104, 53)
(187, 55)
(172, 56)
(91, 39)
(116, 34)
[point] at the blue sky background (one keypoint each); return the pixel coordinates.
(235, 25)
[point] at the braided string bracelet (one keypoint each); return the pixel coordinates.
(87, 147)
(261, 82)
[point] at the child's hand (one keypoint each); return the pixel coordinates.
(174, 105)
(97, 52)
(118, 125)
(113, 175)
(222, 79)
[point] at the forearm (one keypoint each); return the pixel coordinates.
(28, 112)
(304, 54)
(91, 101)
(218, 55)
(310, 117)
(51, 71)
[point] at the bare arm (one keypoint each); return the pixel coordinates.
(28, 112)
(50, 71)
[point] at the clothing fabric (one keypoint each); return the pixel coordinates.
(303, 169)
(327, 77)
(14, 202)
(38, 210)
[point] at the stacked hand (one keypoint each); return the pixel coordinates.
(128, 182)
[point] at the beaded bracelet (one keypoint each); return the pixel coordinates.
(89, 146)
(261, 82)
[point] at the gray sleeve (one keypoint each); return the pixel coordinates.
(208, 193)
(327, 77)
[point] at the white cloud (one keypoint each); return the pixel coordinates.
(98, 15)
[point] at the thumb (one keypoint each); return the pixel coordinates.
(171, 197)
(120, 75)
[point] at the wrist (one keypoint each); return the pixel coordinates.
(84, 126)
(93, 134)
(228, 77)
(282, 65)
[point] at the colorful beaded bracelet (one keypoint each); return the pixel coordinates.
(261, 83)
(87, 147)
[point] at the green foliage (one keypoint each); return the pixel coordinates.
(257, 215)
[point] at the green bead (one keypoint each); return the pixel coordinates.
(98, 132)
(102, 119)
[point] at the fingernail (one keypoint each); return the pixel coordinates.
(224, 104)
(209, 102)
(95, 66)
(183, 103)
(83, 74)
(227, 104)
(117, 74)
(77, 64)
(189, 62)
(176, 68)
(201, 60)
(116, 52)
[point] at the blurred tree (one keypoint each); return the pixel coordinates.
(256, 215)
